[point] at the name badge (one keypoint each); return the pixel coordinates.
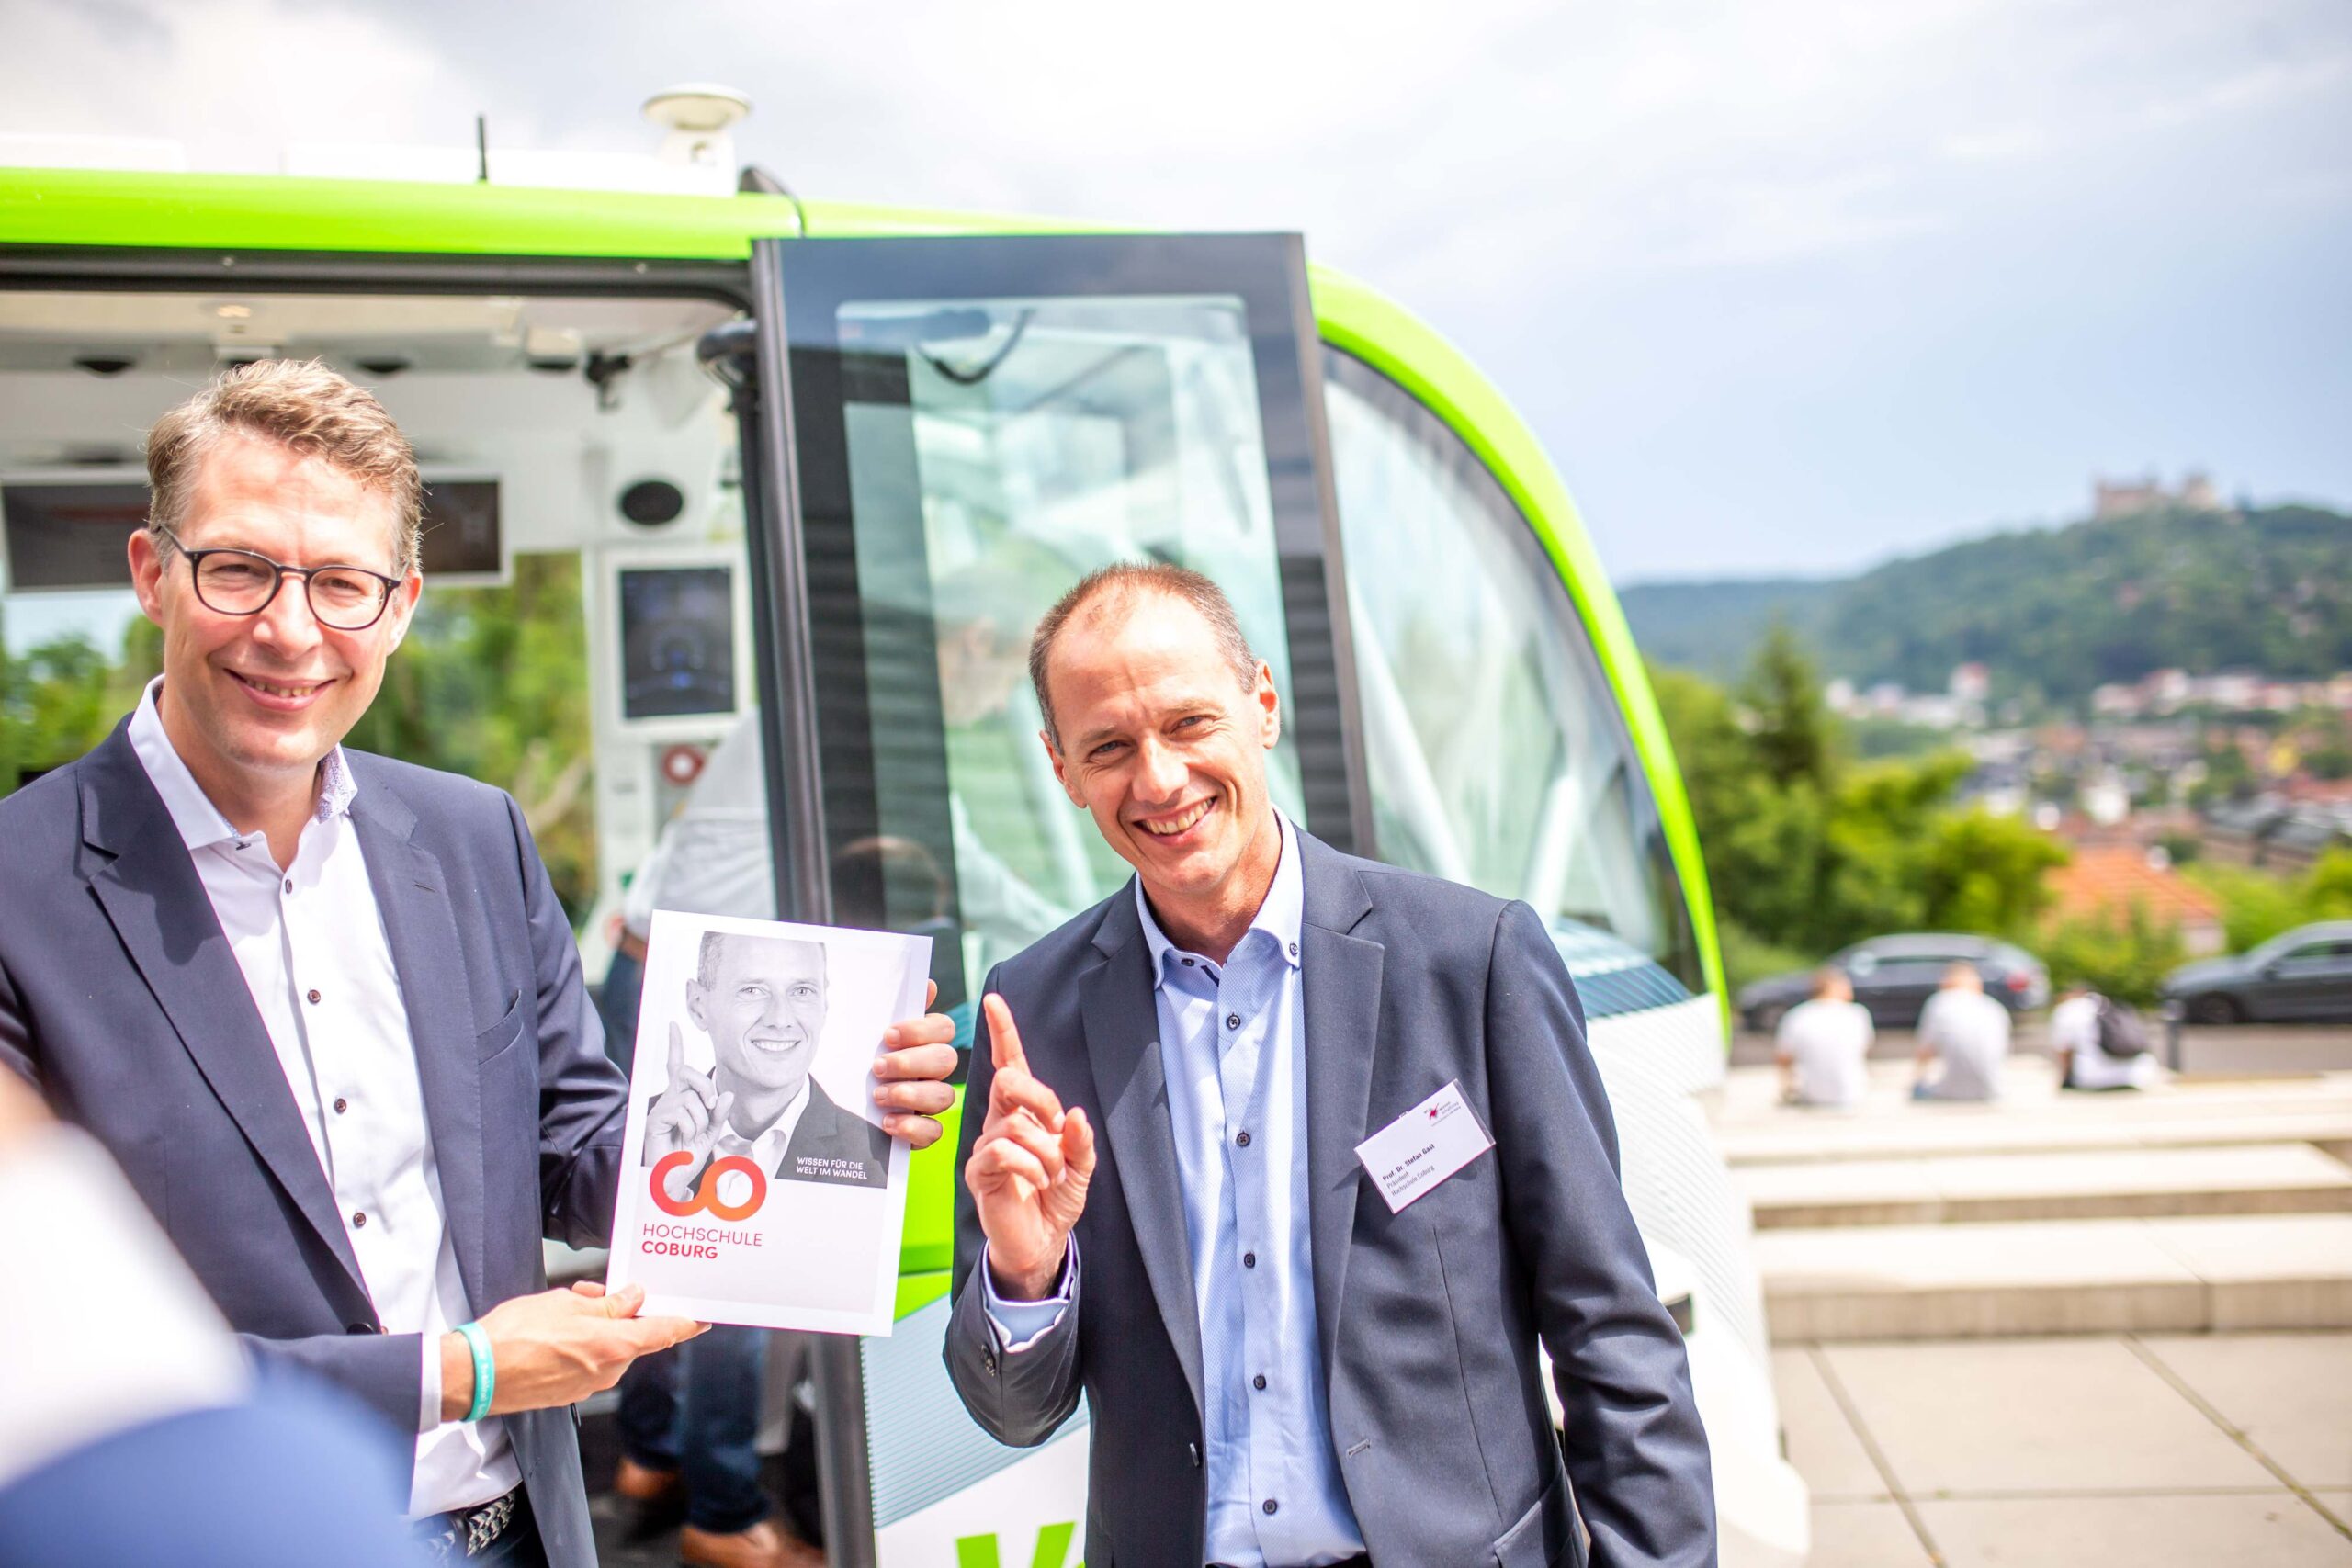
(1423, 1147)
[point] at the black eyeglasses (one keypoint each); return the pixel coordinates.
(239, 582)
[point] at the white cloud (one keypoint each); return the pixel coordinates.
(236, 82)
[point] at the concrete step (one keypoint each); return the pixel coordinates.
(2247, 1179)
(2189, 1274)
(2033, 1118)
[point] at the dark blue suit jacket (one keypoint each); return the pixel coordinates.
(120, 998)
(292, 1479)
(1428, 1319)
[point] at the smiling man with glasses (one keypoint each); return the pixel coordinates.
(324, 1007)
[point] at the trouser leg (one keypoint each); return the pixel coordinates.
(719, 1423)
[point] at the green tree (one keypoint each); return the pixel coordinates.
(54, 707)
(1808, 850)
(1789, 726)
(2124, 954)
(2258, 906)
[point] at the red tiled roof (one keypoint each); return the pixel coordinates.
(2104, 877)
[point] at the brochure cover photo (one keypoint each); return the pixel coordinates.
(761, 1188)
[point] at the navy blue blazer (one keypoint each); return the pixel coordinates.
(119, 998)
(293, 1478)
(1428, 1320)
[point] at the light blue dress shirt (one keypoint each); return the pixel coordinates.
(1233, 1047)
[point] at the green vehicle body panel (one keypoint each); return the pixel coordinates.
(65, 208)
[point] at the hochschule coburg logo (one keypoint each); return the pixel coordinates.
(706, 1198)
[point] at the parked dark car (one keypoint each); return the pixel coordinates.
(1895, 975)
(2303, 975)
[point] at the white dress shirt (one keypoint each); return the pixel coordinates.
(311, 943)
(1233, 1047)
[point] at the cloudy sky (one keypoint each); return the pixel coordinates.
(1786, 285)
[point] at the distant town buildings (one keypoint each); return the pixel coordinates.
(2237, 767)
(2166, 692)
(2124, 498)
(2275, 835)
(1961, 705)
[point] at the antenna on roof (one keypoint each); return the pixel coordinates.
(698, 117)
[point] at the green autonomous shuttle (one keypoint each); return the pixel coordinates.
(703, 461)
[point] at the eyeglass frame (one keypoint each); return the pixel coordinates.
(194, 559)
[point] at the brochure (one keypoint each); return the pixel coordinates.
(761, 1188)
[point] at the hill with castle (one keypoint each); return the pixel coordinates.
(2157, 579)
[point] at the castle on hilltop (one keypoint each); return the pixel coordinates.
(2123, 499)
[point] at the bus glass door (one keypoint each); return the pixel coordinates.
(973, 424)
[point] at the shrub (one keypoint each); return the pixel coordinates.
(2124, 954)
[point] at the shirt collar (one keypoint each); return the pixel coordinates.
(199, 821)
(1279, 915)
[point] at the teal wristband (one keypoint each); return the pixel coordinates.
(485, 1369)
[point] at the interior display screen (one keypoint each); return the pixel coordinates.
(677, 641)
(71, 534)
(462, 527)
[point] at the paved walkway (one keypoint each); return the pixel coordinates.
(2153, 1451)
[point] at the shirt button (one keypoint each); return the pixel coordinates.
(1258, 1381)
(1294, 950)
(1269, 1505)
(1188, 963)
(359, 1221)
(314, 998)
(341, 1105)
(289, 885)
(1232, 1020)
(1242, 1137)
(1249, 1260)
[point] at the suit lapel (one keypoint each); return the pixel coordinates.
(1339, 977)
(1122, 1026)
(419, 926)
(151, 893)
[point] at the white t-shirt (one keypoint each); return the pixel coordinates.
(1829, 1042)
(2074, 1026)
(1969, 1033)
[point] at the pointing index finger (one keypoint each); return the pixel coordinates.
(1004, 1040)
(677, 1052)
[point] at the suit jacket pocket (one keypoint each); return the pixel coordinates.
(501, 1035)
(1546, 1536)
